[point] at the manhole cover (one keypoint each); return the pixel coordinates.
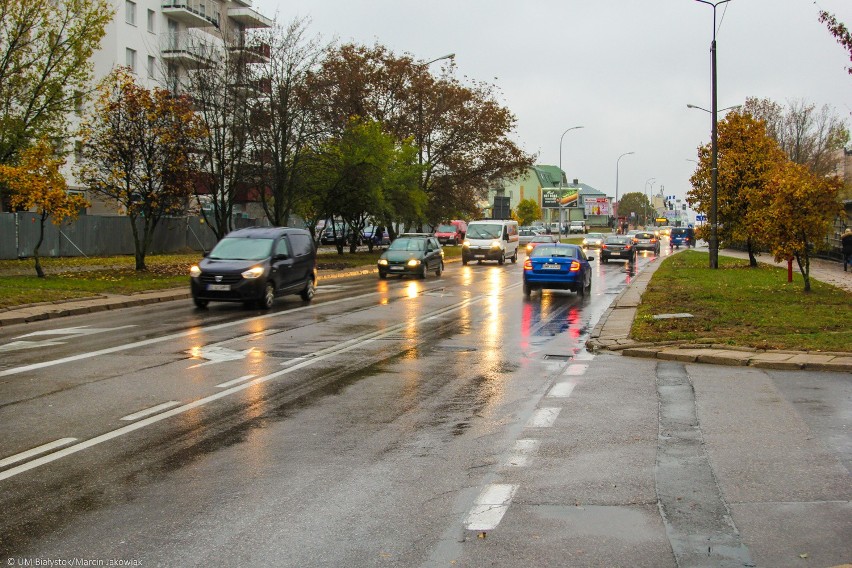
(552, 357)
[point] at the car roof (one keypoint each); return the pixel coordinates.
(264, 232)
(414, 236)
(575, 249)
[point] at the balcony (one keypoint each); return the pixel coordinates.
(254, 87)
(192, 13)
(186, 50)
(257, 53)
(249, 17)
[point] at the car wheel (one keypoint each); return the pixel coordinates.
(589, 286)
(527, 290)
(581, 290)
(439, 270)
(268, 297)
(308, 293)
(200, 303)
(464, 261)
(502, 259)
(605, 260)
(423, 271)
(515, 257)
(382, 275)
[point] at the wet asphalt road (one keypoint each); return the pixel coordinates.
(394, 423)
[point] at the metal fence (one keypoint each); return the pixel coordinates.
(95, 235)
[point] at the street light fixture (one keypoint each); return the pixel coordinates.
(714, 150)
(705, 110)
(561, 175)
(616, 182)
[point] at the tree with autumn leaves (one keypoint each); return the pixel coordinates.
(140, 153)
(37, 183)
(764, 199)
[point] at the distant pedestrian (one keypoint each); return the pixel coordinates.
(846, 245)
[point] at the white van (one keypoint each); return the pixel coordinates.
(491, 239)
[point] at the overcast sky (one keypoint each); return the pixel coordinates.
(623, 69)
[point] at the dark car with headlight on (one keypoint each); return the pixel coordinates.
(413, 255)
(618, 247)
(558, 266)
(255, 265)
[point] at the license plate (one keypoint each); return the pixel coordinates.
(550, 266)
(218, 287)
(396, 268)
(479, 256)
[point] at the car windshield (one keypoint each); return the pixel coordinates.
(238, 248)
(680, 231)
(445, 229)
(616, 240)
(542, 239)
(484, 231)
(644, 235)
(403, 243)
(554, 251)
(594, 236)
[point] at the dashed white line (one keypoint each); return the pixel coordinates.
(576, 369)
(490, 506)
(543, 418)
(562, 390)
(521, 453)
(234, 382)
(35, 451)
(150, 411)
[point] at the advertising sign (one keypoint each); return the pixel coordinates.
(555, 198)
(597, 206)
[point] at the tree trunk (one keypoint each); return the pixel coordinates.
(752, 260)
(38, 269)
(804, 262)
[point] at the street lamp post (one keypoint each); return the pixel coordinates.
(561, 174)
(616, 184)
(714, 172)
(650, 181)
(420, 106)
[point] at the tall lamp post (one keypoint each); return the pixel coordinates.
(650, 181)
(420, 106)
(714, 171)
(561, 174)
(616, 184)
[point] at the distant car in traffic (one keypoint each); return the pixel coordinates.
(526, 234)
(539, 239)
(647, 241)
(558, 266)
(412, 255)
(450, 233)
(593, 240)
(682, 236)
(620, 247)
(577, 227)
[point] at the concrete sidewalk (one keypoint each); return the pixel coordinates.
(612, 333)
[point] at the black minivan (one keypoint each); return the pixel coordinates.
(255, 265)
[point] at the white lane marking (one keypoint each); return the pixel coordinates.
(189, 333)
(491, 505)
(217, 354)
(562, 390)
(543, 418)
(150, 411)
(78, 330)
(35, 451)
(522, 452)
(234, 382)
(18, 345)
(208, 399)
(576, 370)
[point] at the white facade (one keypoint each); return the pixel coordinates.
(160, 39)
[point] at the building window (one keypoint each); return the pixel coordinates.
(151, 66)
(151, 19)
(130, 56)
(130, 12)
(78, 151)
(78, 102)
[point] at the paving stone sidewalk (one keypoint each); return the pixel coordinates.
(613, 330)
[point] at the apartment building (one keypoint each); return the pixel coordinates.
(162, 40)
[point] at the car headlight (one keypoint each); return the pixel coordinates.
(413, 262)
(383, 262)
(253, 272)
(194, 271)
(466, 244)
(495, 244)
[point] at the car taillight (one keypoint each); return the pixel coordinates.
(527, 264)
(603, 246)
(653, 240)
(575, 266)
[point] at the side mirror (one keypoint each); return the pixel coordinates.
(281, 256)
(590, 258)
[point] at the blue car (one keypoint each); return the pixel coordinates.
(558, 267)
(682, 236)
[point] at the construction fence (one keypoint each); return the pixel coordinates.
(97, 235)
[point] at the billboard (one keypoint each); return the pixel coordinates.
(555, 198)
(597, 206)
